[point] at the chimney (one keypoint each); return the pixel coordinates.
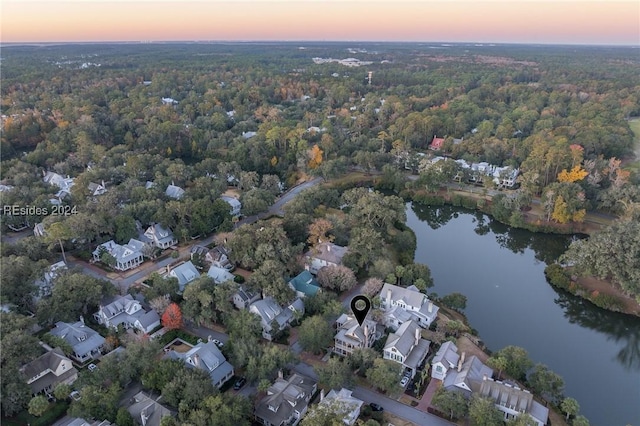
(209, 338)
(196, 360)
(461, 361)
(321, 395)
(82, 319)
(430, 306)
(388, 297)
(366, 335)
(280, 375)
(417, 336)
(484, 377)
(328, 247)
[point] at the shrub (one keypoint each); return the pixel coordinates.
(557, 276)
(238, 279)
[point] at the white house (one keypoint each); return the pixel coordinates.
(269, 311)
(513, 401)
(146, 411)
(243, 298)
(208, 358)
(404, 304)
(325, 254)
(159, 237)
(126, 257)
(235, 204)
(445, 359)
(345, 400)
(220, 275)
(185, 273)
(128, 312)
(407, 347)
(85, 342)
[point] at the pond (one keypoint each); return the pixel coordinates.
(500, 270)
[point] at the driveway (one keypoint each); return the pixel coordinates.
(394, 407)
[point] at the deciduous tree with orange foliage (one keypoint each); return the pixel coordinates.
(172, 317)
(315, 157)
(574, 175)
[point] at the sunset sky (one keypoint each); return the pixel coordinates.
(487, 21)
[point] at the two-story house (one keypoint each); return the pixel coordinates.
(324, 254)
(243, 298)
(407, 347)
(273, 315)
(85, 342)
(444, 360)
(128, 312)
(467, 377)
(513, 401)
(146, 411)
(217, 256)
(219, 275)
(125, 257)
(46, 372)
(234, 204)
(286, 401)
(159, 237)
(208, 358)
(184, 273)
(351, 336)
(343, 398)
(404, 304)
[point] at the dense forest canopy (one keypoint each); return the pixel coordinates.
(187, 114)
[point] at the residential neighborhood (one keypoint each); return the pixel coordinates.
(203, 233)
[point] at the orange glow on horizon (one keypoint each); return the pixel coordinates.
(572, 22)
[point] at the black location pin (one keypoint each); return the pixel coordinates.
(360, 305)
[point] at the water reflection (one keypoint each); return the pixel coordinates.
(547, 248)
(619, 328)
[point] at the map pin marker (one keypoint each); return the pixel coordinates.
(360, 305)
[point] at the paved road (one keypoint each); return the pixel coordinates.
(396, 408)
(147, 268)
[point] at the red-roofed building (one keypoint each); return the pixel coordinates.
(436, 144)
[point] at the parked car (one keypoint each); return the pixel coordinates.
(75, 395)
(404, 381)
(217, 342)
(239, 383)
(376, 407)
(92, 367)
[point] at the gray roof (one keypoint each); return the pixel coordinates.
(233, 202)
(344, 398)
(48, 362)
(152, 411)
(125, 309)
(220, 275)
(82, 339)
(245, 294)
(350, 330)
(122, 253)
(447, 354)
(328, 252)
(409, 297)
(156, 233)
(470, 375)
(206, 357)
(285, 396)
(174, 192)
(269, 310)
(185, 273)
(404, 338)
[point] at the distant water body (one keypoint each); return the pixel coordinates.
(500, 270)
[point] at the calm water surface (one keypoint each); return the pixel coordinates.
(500, 270)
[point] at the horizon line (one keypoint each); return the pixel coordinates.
(483, 43)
